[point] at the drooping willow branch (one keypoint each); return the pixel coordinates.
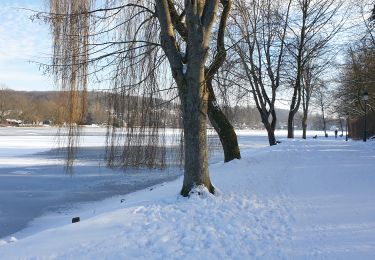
(120, 44)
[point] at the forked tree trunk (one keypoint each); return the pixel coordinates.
(223, 127)
(196, 32)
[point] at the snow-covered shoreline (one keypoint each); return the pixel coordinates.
(298, 200)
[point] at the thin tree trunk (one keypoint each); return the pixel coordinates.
(342, 128)
(324, 119)
(223, 127)
(296, 99)
(304, 124)
(290, 125)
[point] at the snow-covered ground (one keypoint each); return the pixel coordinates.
(302, 199)
(33, 181)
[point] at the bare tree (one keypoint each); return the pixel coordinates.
(134, 45)
(312, 75)
(314, 25)
(262, 27)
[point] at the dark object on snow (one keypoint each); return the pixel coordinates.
(278, 142)
(315, 136)
(336, 133)
(326, 135)
(122, 200)
(75, 220)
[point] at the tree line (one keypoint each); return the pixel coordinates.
(42, 107)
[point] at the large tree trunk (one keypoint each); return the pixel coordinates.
(223, 127)
(271, 136)
(195, 133)
(196, 32)
(270, 131)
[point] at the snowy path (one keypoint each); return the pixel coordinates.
(331, 190)
(299, 200)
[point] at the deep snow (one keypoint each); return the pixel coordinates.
(300, 199)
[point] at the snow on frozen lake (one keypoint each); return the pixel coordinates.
(33, 181)
(302, 199)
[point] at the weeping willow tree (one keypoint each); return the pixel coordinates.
(148, 53)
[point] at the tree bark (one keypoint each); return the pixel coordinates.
(222, 126)
(195, 133)
(270, 127)
(189, 74)
(271, 136)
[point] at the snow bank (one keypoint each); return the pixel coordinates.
(300, 199)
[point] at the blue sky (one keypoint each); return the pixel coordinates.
(23, 42)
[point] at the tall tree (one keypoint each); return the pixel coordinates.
(314, 25)
(262, 27)
(135, 42)
(311, 81)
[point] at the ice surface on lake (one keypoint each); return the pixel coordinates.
(33, 181)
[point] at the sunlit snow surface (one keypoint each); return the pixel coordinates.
(310, 199)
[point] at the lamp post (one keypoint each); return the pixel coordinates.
(365, 99)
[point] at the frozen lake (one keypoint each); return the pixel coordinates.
(33, 181)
